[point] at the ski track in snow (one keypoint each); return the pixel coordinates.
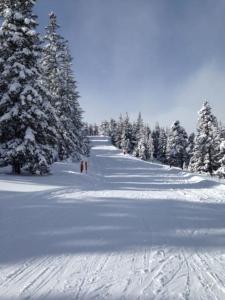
(128, 229)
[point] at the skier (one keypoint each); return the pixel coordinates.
(86, 166)
(81, 166)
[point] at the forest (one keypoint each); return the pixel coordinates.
(202, 152)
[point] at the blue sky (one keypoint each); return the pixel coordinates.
(160, 57)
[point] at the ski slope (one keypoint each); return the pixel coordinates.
(128, 229)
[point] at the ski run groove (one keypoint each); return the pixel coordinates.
(128, 229)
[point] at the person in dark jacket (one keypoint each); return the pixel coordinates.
(81, 166)
(86, 166)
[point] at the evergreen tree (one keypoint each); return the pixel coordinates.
(190, 148)
(176, 146)
(155, 138)
(139, 136)
(73, 114)
(4, 4)
(162, 146)
(206, 146)
(113, 130)
(126, 136)
(86, 129)
(146, 145)
(133, 139)
(105, 128)
(90, 130)
(95, 129)
(221, 170)
(59, 81)
(27, 133)
(119, 131)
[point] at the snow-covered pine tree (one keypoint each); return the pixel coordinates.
(95, 129)
(3, 83)
(90, 130)
(86, 129)
(155, 138)
(133, 139)
(162, 145)
(222, 130)
(113, 130)
(150, 146)
(139, 136)
(221, 170)
(54, 81)
(105, 128)
(59, 81)
(176, 145)
(27, 133)
(190, 148)
(206, 146)
(119, 131)
(3, 6)
(219, 138)
(73, 113)
(146, 145)
(126, 136)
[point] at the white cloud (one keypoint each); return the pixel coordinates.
(207, 83)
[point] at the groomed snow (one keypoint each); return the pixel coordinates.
(128, 229)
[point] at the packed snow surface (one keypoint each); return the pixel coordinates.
(128, 229)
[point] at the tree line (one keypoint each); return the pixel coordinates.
(203, 151)
(40, 114)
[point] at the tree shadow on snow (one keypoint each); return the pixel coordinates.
(79, 214)
(40, 226)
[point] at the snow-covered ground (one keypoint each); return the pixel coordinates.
(127, 230)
